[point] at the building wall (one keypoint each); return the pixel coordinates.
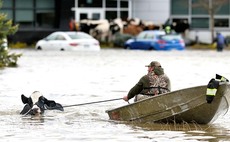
(157, 11)
(37, 18)
(199, 18)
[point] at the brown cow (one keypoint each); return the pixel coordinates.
(132, 29)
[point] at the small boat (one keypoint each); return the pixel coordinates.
(186, 105)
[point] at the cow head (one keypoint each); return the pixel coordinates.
(36, 104)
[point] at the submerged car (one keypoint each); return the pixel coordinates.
(155, 40)
(68, 41)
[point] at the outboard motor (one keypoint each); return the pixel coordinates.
(213, 86)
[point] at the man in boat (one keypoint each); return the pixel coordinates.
(154, 83)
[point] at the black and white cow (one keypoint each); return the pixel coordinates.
(36, 104)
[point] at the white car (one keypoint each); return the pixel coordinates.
(68, 41)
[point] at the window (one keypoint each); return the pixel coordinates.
(221, 23)
(111, 3)
(24, 17)
(200, 23)
(24, 4)
(52, 37)
(223, 9)
(124, 15)
(111, 15)
(124, 4)
(60, 37)
(179, 7)
(198, 8)
(117, 9)
(95, 16)
(150, 36)
(89, 3)
(24, 13)
(45, 20)
(45, 14)
(45, 4)
(141, 35)
(7, 4)
(83, 16)
(171, 37)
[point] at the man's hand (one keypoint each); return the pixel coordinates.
(125, 98)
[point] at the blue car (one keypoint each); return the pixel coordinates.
(155, 40)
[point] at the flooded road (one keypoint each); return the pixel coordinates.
(73, 78)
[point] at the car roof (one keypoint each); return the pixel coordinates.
(155, 31)
(68, 32)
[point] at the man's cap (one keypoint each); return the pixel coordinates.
(154, 64)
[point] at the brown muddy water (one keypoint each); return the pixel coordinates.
(79, 77)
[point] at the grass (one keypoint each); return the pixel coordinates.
(205, 47)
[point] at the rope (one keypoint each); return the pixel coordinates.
(27, 112)
(92, 102)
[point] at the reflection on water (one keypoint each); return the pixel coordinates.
(185, 131)
(73, 78)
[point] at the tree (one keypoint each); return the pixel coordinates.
(6, 28)
(212, 7)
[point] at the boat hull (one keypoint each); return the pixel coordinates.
(186, 105)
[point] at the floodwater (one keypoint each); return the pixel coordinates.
(72, 78)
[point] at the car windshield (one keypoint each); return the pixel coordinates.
(51, 37)
(170, 37)
(79, 36)
(141, 35)
(149, 35)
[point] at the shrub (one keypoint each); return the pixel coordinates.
(6, 28)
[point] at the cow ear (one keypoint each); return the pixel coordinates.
(26, 110)
(42, 99)
(24, 99)
(50, 103)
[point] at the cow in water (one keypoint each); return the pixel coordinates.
(36, 104)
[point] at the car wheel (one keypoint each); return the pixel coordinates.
(152, 48)
(127, 47)
(39, 48)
